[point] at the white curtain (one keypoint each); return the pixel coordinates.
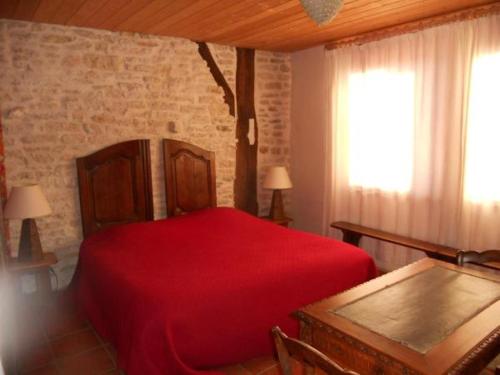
(415, 137)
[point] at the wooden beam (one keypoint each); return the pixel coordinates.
(205, 53)
(414, 26)
(245, 184)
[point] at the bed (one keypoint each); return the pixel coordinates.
(202, 288)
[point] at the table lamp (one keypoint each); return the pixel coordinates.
(27, 203)
(277, 179)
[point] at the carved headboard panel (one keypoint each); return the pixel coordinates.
(115, 186)
(189, 177)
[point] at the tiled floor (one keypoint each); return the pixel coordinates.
(54, 340)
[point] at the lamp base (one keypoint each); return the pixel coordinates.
(277, 212)
(30, 247)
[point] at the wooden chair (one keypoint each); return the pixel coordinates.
(477, 257)
(305, 353)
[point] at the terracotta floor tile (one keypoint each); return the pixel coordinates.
(64, 324)
(28, 331)
(235, 370)
(33, 357)
(112, 353)
(111, 350)
(74, 343)
(46, 370)
(276, 370)
(258, 365)
(93, 362)
(114, 372)
(297, 367)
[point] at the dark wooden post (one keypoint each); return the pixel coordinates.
(245, 185)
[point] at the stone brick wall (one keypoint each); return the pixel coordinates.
(273, 87)
(66, 92)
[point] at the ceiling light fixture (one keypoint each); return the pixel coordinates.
(322, 11)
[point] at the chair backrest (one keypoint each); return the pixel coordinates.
(287, 347)
(477, 257)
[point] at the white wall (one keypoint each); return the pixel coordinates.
(309, 128)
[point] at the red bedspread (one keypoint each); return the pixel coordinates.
(181, 295)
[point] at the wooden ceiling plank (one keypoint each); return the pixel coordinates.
(66, 10)
(429, 6)
(85, 12)
(398, 15)
(249, 20)
(46, 10)
(264, 24)
(303, 25)
(122, 14)
(186, 12)
(267, 25)
(8, 8)
(360, 26)
(147, 15)
(26, 9)
(299, 21)
(105, 12)
(287, 24)
(387, 32)
(220, 13)
(374, 26)
(363, 19)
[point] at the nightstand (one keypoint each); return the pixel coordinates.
(283, 222)
(40, 268)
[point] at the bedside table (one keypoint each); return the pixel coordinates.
(40, 268)
(283, 222)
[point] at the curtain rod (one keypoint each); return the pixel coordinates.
(414, 26)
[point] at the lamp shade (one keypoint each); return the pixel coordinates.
(277, 178)
(26, 202)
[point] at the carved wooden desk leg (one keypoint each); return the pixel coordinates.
(305, 334)
(351, 237)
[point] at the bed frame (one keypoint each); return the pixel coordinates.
(115, 186)
(189, 177)
(115, 183)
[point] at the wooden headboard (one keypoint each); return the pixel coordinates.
(189, 177)
(115, 186)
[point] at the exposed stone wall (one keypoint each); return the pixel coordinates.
(66, 92)
(273, 85)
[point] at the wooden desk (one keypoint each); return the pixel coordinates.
(430, 317)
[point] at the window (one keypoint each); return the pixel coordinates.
(381, 130)
(482, 176)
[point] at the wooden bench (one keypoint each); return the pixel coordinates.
(352, 233)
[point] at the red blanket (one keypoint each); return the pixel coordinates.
(191, 293)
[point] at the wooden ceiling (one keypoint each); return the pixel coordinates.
(278, 25)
